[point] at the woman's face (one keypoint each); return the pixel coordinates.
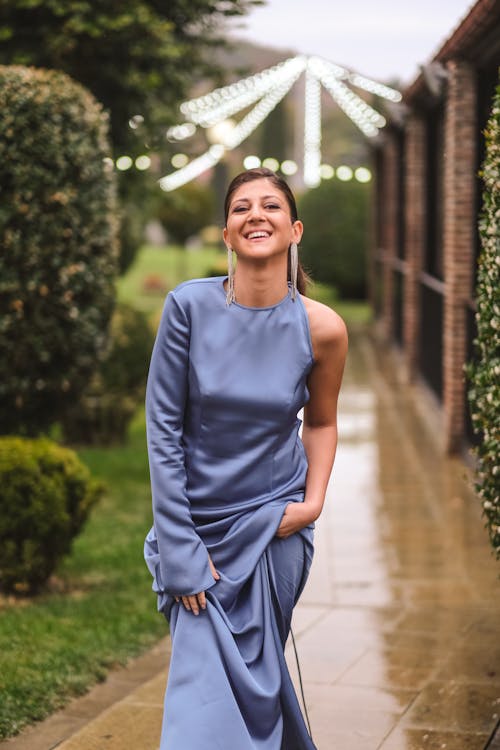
(259, 223)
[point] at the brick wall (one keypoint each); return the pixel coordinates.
(389, 232)
(415, 237)
(459, 230)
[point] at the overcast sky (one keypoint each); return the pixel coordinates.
(379, 38)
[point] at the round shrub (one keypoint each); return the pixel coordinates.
(336, 216)
(47, 494)
(103, 413)
(484, 371)
(185, 211)
(59, 248)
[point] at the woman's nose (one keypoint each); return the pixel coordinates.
(255, 211)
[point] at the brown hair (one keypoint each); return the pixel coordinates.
(261, 173)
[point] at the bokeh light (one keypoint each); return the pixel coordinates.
(271, 163)
(289, 167)
(179, 160)
(251, 162)
(344, 173)
(123, 163)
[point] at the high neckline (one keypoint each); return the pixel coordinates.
(249, 307)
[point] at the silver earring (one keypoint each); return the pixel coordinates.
(294, 264)
(230, 277)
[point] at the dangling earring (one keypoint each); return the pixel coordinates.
(230, 277)
(294, 264)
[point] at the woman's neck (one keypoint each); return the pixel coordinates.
(259, 287)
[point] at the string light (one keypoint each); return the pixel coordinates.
(380, 89)
(344, 173)
(312, 130)
(251, 162)
(289, 167)
(257, 84)
(193, 169)
(271, 163)
(258, 113)
(362, 174)
(123, 163)
(142, 162)
(265, 90)
(181, 132)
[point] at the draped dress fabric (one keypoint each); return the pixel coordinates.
(225, 385)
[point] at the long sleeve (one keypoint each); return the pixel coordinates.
(182, 566)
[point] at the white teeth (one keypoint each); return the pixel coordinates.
(252, 235)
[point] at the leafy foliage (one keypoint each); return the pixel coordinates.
(47, 494)
(111, 398)
(335, 217)
(186, 210)
(136, 56)
(484, 371)
(58, 235)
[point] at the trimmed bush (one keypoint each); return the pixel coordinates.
(59, 248)
(103, 413)
(185, 211)
(47, 494)
(484, 371)
(333, 248)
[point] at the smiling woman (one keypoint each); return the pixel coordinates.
(236, 491)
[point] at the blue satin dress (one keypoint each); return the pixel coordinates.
(225, 385)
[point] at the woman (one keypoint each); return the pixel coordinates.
(235, 490)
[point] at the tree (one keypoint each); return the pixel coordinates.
(138, 57)
(58, 240)
(333, 247)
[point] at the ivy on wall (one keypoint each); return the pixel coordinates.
(484, 370)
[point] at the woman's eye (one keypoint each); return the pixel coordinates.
(238, 209)
(272, 205)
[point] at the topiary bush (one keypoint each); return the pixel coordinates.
(484, 371)
(185, 211)
(103, 413)
(58, 234)
(47, 494)
(333, 248)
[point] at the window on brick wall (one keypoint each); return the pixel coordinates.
(401, 192)
(434, 191)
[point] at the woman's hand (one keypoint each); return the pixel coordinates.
(194, 602)
(296, 517)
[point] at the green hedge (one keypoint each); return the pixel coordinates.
(104, 411)
(47, 494)
(484, 371)
(333, 247)
(59, 248)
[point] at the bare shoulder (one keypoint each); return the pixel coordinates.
(327, 327)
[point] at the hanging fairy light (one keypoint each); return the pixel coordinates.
(193, 169)
(312, 130)
(264, 91)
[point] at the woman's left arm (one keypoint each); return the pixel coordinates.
(319, 429)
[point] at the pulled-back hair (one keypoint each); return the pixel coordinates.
(261, 173)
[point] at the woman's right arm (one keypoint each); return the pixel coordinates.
(184, 567)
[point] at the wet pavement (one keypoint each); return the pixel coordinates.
(398, 627)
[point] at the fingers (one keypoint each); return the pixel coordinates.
(194, 603)
(213, 569)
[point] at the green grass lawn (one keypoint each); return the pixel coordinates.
(102, 610)
(165, 267)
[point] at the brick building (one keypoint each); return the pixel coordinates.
(427, 200)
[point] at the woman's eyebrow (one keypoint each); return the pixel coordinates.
(264, 198)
